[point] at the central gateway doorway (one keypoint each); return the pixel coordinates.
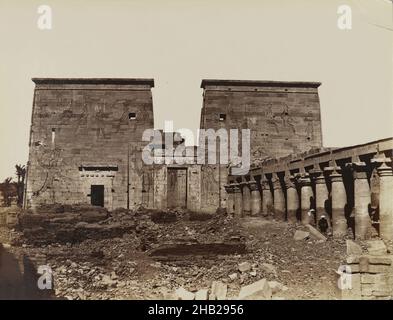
(177, 188)
(97, 195)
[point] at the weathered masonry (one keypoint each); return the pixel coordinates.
(86, 141)
(283, 118)
(351, 187)
(86, 147)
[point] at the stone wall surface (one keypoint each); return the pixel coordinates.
(283, 118)
(371, 274)
(84, 134)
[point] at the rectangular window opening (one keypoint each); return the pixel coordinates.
(132, 116)
(223, 116)
(53, 135)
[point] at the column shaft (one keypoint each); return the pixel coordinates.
(339, 199)
(292, 201)
(246, 199)
(255, 198)
(321, 197)
(306, 194)
(238, 201)
(279, 200)
(385, 202)
(230, 199)
(362, 196)
(267, 199)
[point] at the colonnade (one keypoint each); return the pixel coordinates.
(340, 192)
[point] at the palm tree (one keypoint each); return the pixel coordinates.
(5, 189)
(20, 173)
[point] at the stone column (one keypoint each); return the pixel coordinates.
(255, 198)
(339, 200)
(321, 195)
(385, 200)
(230, 199)
(238, 200)
(267, 198)
(305, 197)
(362, 194)
(279, 199)
(246, 198)
(292, 200)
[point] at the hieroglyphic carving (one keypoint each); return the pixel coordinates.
(282, 121)
(209, 184)
(286, 118)
(310, 126)
(50, 161)
(99, 121)
(270, 118)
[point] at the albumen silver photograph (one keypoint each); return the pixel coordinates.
(192, 155)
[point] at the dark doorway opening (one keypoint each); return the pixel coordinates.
(97, 195)
(177, 188)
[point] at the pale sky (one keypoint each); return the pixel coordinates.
(178, 43)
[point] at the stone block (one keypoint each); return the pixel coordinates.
(363, 264)
(382, 293)
(219, 290)
(276, 286)
(375, 268)
(352, 291)
(314, 232)
(259, 290)
(244, 266)
(202, 294)
(353, 248)
(233, 276)
(368, 278)
(269, 268)
(351, 259)
(380, 260)
(301, 235)
(376, 247)
(183, 294)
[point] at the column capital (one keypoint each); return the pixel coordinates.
(358, 169)
(252, 184)
(385, 169)
(265, 184)
(317, 176)
(236, 188)
(276, 181)
(356, 165)
(290, 181)
(304, 179)
(229, 188)
(333, 170)
(243, 184)
(329, 169)
(336, 175)
(382, 164)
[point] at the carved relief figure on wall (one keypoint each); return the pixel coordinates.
(270, 118)
(50, 161)
(287, 120)
(209, 184)
(309, 127)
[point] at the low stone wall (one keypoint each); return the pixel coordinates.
(371, 274)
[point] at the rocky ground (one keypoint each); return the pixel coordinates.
(164, 255)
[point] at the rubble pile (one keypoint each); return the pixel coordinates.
(70, 224)
(168, 254)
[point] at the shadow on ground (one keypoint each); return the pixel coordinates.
(18, 278)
